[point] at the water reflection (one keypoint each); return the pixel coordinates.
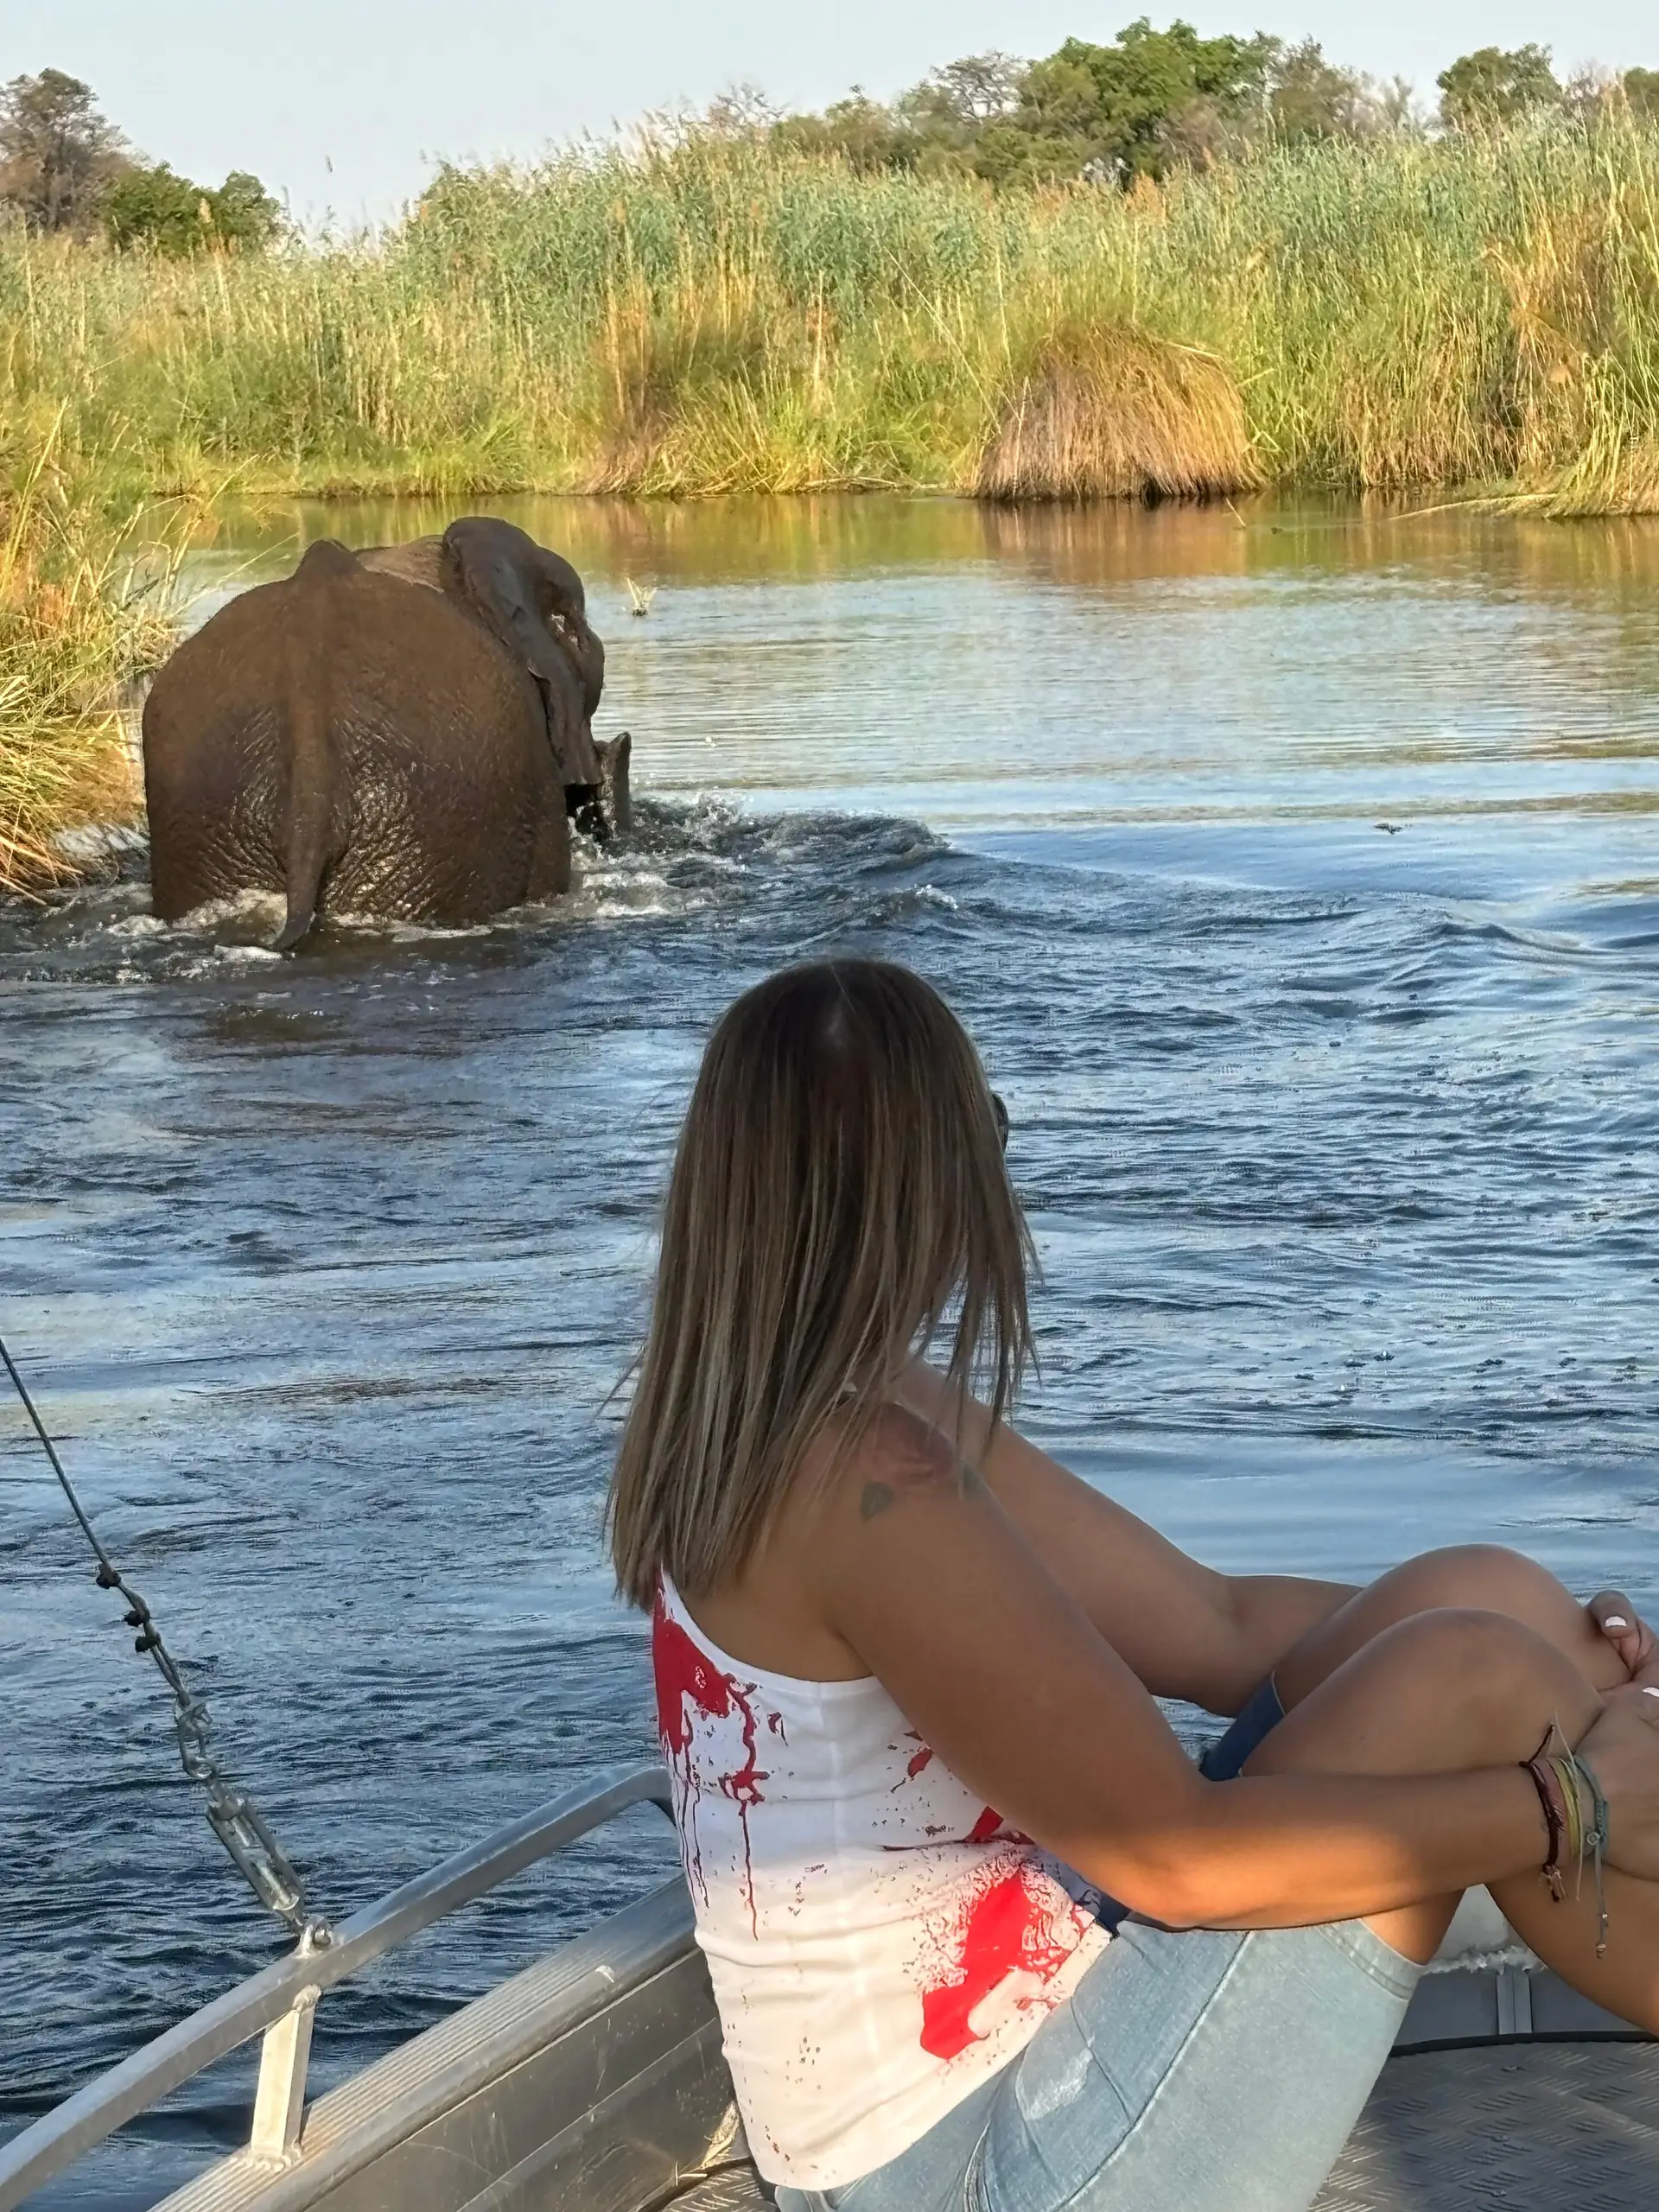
(978, 665)
(729, 540)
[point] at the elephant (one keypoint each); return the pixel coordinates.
(404, 732)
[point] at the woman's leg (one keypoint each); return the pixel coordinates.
(1448, 1691)
(1484, 1577)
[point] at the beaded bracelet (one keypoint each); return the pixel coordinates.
(1563, 1780)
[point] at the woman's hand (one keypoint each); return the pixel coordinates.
(1622, 1747)
(1623, 1628)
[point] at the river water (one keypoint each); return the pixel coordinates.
(1338, 1140)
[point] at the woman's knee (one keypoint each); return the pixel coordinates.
(1493, 1578)
(1454, 1686)
(1460, 1578)
(1456, 1644)
(1490, 1670)
(1490, 1578)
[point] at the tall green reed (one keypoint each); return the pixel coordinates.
(1401, 314)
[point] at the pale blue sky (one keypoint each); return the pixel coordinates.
(376, 87)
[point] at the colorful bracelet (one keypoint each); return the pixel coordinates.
(1563, 1782)
(1552, 1799)
(1567, 1774)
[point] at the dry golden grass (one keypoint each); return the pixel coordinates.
(1108, 413)
(76, 630)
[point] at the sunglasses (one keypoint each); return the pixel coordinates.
(1001, 1113)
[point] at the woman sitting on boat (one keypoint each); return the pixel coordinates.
(979, 1933)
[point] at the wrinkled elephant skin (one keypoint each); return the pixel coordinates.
(401, 734)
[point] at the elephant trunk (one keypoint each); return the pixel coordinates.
(568, 728)
(615, 762)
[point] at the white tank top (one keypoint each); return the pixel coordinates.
(879, 1939)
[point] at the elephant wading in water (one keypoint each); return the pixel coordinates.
(403, 732)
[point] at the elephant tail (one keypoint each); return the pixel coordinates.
(312, 824)
(307, 859)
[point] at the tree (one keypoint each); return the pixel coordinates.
(936, 124)
(742, 110)
(966, 95)
(1642, 90)
(860, 130)
(1148, 103)
(153, 208)
(1130, 103)
(1396, 105)
(1058, 115)
(1311, 97)
(245, 216)
(942, 123)
(1491, 85)
(57, 151)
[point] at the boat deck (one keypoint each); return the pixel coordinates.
(1506, 2127)
(593, 2080)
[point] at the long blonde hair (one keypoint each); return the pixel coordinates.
(838, 1189)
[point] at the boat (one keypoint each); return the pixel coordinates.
(593, 2082)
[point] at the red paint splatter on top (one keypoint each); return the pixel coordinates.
(688, 1682)
(990, 1827)
(1009, 1930)
(922, 1758)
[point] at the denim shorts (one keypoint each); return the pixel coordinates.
(1190, 2071)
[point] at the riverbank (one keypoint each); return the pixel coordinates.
(77, 625)
(1471, 316)
(716, 316)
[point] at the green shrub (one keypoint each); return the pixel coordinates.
(155, 209)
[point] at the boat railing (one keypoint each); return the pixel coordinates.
(280, 2002)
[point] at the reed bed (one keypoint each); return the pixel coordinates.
(1472, 314)
(721, 317)
(80, 619)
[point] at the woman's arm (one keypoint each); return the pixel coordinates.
(918, 1567)
(1185, 1631)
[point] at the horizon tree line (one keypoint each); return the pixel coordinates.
(1147, 103)
(1153, 100)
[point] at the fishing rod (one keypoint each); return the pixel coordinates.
(232, 1814)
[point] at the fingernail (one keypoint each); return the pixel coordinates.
(1650, 1692)
(1615, 1620)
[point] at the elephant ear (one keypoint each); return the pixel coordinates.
(417, 561)
(563, 592)
(497, 569)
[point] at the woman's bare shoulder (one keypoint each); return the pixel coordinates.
(852, 1476)
(772, 1614)
(901, 1455)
